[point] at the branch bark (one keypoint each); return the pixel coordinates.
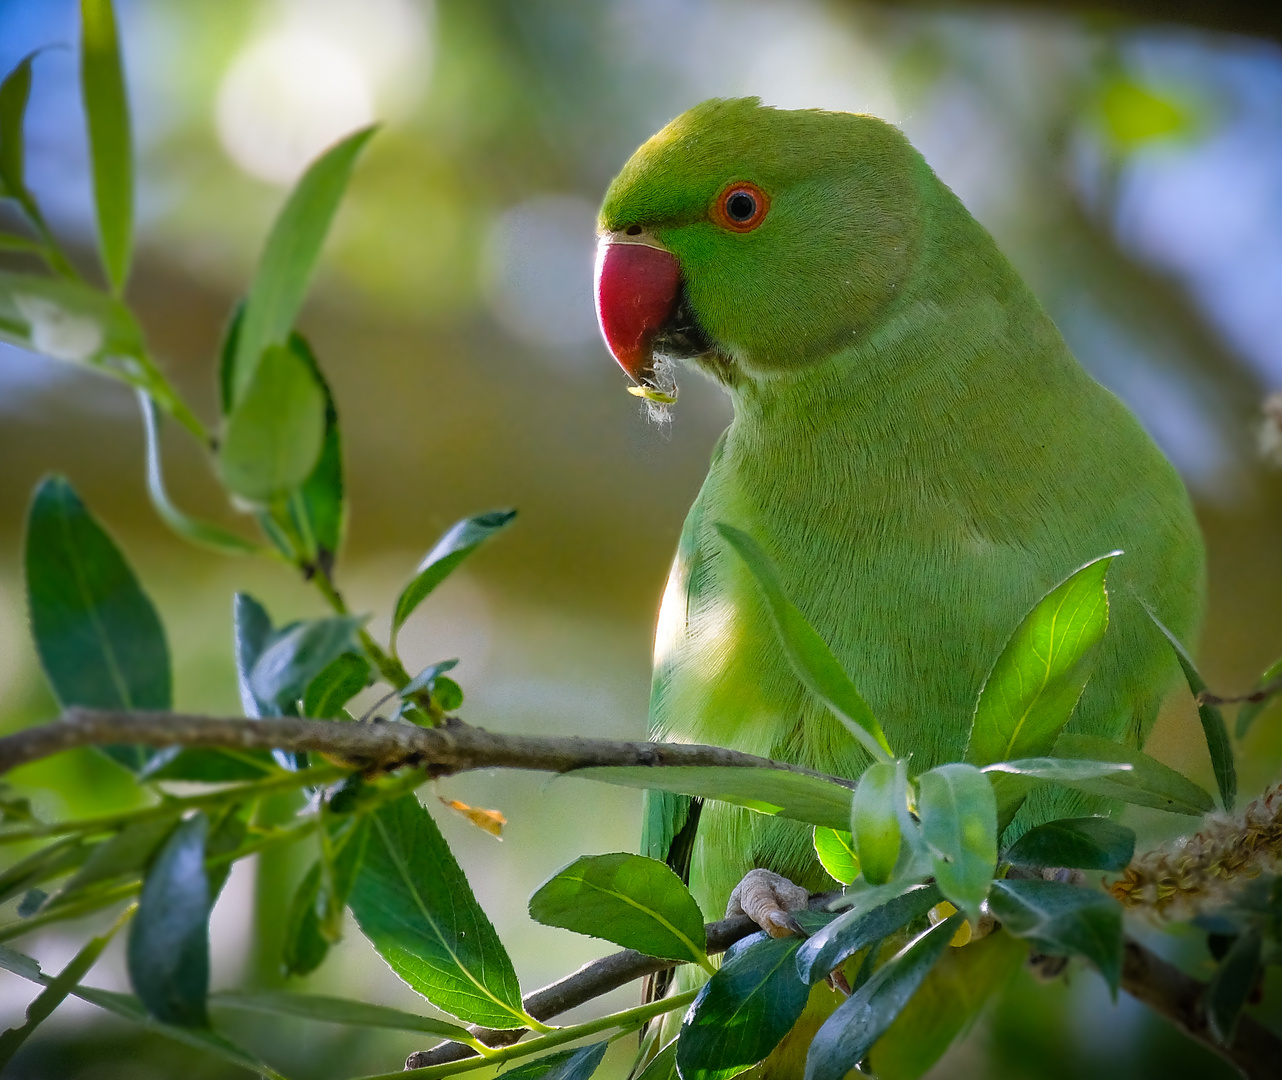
(441, 751)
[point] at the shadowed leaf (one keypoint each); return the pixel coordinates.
(860, 927)
(1231, 985)
(563, 1065)
(1147, 783)
(1092, 843)
(332, 1010)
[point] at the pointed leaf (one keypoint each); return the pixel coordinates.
(1060, 770)
(798, 796)
(413, 902)
(168, 952)
(289, 257)
(836, 851)
(288, 665)
(335, 685)
(1064, 920)
(860, 927)
(563, 1065)
(332, 1010)
(1035, 683)
(1091, 843)
(742, 1012)
(1268, 686)
(15, 91)
(875, 820)
(102, 84)
(849, 1033)
(958, 814)
(425, 679)
(819, 671)
(634, 901)
(275, 433)
(1147, 783)
(99, 638)
(321, 512)
(459, 541)
(1217, 735)
(1231, 985)
(307, 935)
(252, 634)
(663, 1066)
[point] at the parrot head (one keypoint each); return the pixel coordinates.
(754, 239)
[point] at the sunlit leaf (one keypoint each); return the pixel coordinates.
(1092, 843)
(289, 257)
(563, 1065)
(807, 652)
(1147, 783)
(836, 851)
(634, 901)
(168, 955)
(335, 685)
(275, 433)
(1230, 987)
(1217, 735)
(1035, 683)
(1064, 920)
(332, 1010)
(860, 927)
(459, 541)
(413, 902)
(99, 638)
(743, 1011)
(849, 1033)
(958, 814)
(799, 796)
(102, 84)
(875, 820)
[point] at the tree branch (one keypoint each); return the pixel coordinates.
(441, 751)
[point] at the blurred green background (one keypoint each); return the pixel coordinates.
(1132, 171)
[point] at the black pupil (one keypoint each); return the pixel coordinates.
(741, 206)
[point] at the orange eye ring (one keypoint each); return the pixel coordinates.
(741, 207)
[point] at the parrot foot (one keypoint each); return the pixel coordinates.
(769, 899)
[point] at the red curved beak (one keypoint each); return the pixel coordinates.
(636, 293)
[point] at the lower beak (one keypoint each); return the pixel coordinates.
(637, 283)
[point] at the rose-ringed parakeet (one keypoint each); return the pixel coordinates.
(913, 444)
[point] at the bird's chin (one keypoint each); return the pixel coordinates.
(682, 338)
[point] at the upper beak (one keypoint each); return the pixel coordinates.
(637, 284)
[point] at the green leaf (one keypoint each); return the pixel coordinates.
(1217, 735)
(55, 992)
(311, 926)
(1268, 687)
(45, 863)
(743, 1011)
(634, 901)
(663, 1066)
(849, 1033)
(860, 927)
(14, 94)
(1091, 843)
(206, 765)
(426, 679)
(1231, 985)
(332, 1010)
(274, 435)
(335, 685)
(99, 638)
(1035, 683)
(1064, 920)
(958, 814)
(252, 633)
(102, 84)
(320, 511)
(201, 533)
(798, 796)
(124, 854)
(168, 954)
(459, 541)
(836, 851)
(819, 671)
(1147, 783)
(1059, 770)
(298, 655)
(289, 257)
(69, 321)
(874, 820)
(413, 902)
(563, 1065)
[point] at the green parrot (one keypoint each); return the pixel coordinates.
(913, 444)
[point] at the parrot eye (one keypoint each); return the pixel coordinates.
(741, 207)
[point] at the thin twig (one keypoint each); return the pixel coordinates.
(1253, 698)
(452, 748)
